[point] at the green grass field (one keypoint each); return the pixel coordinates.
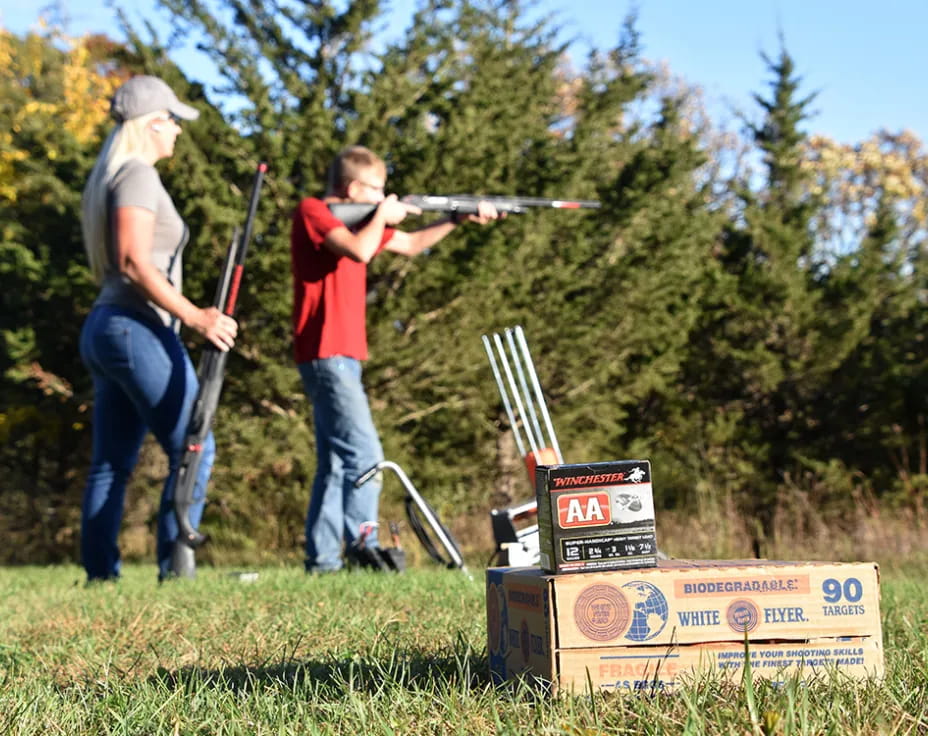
(362, 653)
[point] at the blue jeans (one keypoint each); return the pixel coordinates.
(142, 380)
(346, 445)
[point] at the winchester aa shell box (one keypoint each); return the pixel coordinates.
(657, 628)
(595, 516)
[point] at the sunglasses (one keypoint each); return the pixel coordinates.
(172, 118)
(371, 187)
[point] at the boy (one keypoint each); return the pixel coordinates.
(329, 263)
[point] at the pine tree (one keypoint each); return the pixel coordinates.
(789, 320)
(46, 149)
(735, 347)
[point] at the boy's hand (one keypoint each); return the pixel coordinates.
(486, 212)
(394, 211)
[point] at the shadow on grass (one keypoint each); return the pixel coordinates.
(409, 670)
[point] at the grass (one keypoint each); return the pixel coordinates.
(363, 653)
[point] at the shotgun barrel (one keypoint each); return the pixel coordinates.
(210, 374)
(356, 213)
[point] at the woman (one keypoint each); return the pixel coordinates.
(143, 378)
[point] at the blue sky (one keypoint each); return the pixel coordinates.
(868, 61)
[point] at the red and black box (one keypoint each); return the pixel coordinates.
(596, 516)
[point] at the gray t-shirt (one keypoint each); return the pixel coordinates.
(137, 184)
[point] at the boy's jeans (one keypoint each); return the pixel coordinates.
(346, 445)
(142, 379)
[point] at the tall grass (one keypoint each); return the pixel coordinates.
(362, 653)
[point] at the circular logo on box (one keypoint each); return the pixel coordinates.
(742, 616)
(601, 612)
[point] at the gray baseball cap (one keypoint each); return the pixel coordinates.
(142, 95)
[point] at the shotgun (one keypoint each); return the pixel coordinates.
(356, 213)
(210, 374)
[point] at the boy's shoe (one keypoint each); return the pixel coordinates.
(376, 558)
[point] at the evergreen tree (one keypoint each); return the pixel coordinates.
(765, 333)
(46, 149)
(876, 426)
(504, 105)
(473, 98)
(788, 322)
(734, 347)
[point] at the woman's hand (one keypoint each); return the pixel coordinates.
(220, 329)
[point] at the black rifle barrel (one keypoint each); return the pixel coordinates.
(225, 276)
(355, 213)
(210, 374)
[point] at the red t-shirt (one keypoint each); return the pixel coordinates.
(329, 290)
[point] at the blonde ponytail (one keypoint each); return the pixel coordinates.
(126, 141)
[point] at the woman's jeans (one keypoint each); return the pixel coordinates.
(143, 380)
(346, 445)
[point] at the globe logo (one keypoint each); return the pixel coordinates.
(649, 610)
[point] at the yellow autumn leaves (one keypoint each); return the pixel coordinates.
(853, 177)
(48, 79)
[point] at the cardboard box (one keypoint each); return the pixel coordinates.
(665, 668)
(595, 516)
(622, 628)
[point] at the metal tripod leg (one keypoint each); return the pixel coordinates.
(441, 534)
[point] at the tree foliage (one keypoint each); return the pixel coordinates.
(52, 90)
(748, 335)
